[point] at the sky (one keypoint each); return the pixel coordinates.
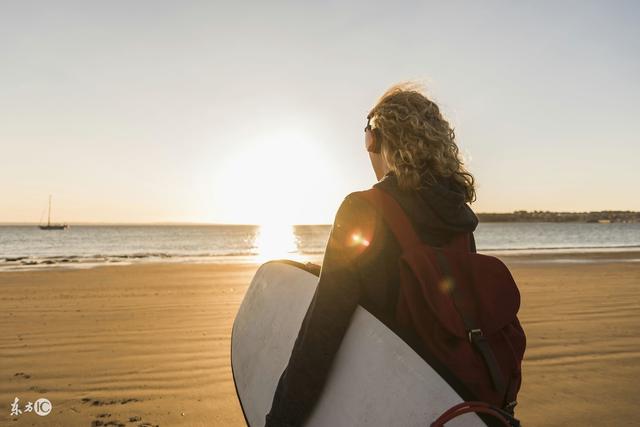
(253, 112)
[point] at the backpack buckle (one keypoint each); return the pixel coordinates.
(474, 333)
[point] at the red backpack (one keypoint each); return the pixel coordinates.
(462, 305)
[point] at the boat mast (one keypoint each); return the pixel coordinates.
(49, 217)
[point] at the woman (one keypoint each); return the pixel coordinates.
(415, 158)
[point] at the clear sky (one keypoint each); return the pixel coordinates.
(236, 112)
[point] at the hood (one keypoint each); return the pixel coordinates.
(437, 211)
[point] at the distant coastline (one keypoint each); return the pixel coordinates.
(603, 217)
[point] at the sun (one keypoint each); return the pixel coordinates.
(274, 180)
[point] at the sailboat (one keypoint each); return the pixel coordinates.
(50, 226)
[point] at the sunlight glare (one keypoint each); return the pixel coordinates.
(276, 241)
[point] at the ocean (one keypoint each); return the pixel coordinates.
(27, 247)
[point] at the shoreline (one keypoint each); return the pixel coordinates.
(513, 256)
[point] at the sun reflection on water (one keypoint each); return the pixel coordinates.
(276, 241)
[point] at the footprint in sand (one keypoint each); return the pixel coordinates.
(97, 402)
(22, 375)
(113, 423)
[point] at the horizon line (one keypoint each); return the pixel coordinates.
(197, 223)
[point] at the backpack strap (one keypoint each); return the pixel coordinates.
(394, 216)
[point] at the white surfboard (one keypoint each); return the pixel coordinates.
(376, 379)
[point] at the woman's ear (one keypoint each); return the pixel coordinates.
(379, 165)
(373, 141)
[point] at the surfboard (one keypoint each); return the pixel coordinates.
(376, 379)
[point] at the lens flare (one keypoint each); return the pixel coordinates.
(358, 239)
(446, 285)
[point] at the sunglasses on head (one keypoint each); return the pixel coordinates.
(375, 135)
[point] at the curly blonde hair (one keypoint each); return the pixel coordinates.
(418, 143)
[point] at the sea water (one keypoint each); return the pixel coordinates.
(28, 247)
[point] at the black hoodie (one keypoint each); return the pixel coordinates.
(360, 267)
(437, 211)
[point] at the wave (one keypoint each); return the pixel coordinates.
(80, 261)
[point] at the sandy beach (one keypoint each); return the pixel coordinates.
(148, 344)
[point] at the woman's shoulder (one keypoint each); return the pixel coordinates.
(358, 231)
(355, 207)
(356, 218)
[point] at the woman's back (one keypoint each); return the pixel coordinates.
(437, 212)
(414, 155)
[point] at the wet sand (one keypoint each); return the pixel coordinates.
(149, 344)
